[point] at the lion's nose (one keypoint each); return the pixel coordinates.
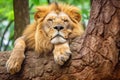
(58, 28)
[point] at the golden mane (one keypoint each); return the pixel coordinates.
(35, 36)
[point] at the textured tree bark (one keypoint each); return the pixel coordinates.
(95, 54)
(21, 13)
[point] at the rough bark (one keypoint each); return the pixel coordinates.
(95, 54)
(21, 13)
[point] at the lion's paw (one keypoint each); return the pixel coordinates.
(61, 58)
(61, 53)
(13, 64)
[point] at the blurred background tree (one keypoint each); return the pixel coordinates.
(7, 17)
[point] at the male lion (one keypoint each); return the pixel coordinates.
(54, 26)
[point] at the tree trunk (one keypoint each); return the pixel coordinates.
(21, 13)
(95, 54)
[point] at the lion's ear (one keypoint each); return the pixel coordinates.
(41, 12)
(37, 15)
(77, 16)
(73, 12)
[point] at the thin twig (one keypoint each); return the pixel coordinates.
(6, 46)
(31, 6)
(3, 19)
(1, 43)
(48, 1)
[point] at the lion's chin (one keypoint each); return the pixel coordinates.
(58, 40)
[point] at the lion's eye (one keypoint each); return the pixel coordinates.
(65, 20)
(50, 20)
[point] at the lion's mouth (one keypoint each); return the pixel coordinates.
(58, 35)
(58, 39)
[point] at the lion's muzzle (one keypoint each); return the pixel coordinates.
(58, 39)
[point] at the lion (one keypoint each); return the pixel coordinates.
(55, 25)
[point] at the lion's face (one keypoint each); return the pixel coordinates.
(58, 22)
(57, 26)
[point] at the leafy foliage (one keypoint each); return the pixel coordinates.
(7, 17)
(6, 25)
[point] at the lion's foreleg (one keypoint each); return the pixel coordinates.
(61, 53)
(17, 56)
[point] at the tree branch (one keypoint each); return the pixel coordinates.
(82, 66)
